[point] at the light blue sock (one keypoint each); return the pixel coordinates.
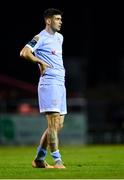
(41, 153)
(56, 155)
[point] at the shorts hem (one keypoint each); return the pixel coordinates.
(49, 110)
(52, 110)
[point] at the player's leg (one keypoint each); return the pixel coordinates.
(42, 148)
(59, 163)
(39, 161)
(41, 152)
(55, 123)
(63, 111)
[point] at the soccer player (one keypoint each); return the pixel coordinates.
(45, 49)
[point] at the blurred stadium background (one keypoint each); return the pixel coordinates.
(94, 61)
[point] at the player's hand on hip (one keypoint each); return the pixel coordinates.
(44, 66)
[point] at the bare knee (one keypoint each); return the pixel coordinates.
(53, 120)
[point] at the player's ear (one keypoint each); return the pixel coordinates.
(48, 21)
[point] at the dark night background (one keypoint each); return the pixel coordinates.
(95, 34)
(93, 52)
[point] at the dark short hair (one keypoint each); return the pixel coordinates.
(48, 13)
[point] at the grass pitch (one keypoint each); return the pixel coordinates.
(82, 162)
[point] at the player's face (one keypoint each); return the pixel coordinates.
(56, 22)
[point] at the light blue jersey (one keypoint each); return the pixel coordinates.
(49, 49)
(51, 86)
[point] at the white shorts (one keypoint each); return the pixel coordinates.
(52, 98)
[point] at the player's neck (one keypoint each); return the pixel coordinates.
(50, 31)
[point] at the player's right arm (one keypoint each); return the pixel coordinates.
(27, 53)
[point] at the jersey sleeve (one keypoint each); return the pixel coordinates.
(34, 43)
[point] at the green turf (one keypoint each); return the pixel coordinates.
(82, 162)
